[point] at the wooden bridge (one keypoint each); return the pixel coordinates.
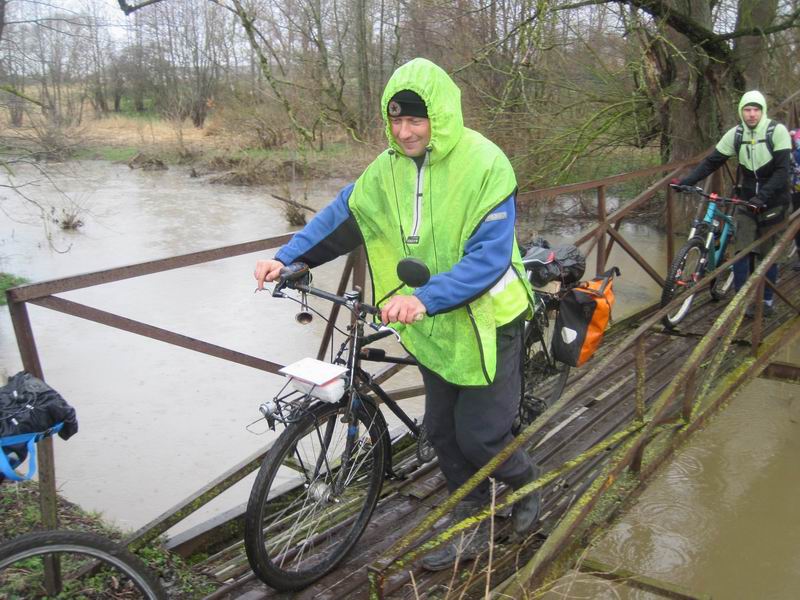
(619, 419)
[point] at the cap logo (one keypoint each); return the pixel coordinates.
(394, 109)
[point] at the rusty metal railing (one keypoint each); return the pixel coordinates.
(44, 294)
(687, 387)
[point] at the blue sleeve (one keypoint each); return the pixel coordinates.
(487, 257)
(332, 232)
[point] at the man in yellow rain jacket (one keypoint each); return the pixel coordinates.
(442, 193)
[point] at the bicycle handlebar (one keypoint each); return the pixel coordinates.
(297, 276)
(691, 189)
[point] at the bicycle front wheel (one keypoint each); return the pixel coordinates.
(686, 270)
(122, 574)
(723, 283)
(314, 494)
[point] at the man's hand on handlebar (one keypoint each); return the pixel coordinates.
(403, 309)
(267, 270)
(685, 189)
(756, 204)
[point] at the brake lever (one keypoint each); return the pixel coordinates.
(277, 291)
(381, 327)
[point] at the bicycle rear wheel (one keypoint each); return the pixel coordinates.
(314, 494)
(544, 377)
(687, 269)
(122, 573)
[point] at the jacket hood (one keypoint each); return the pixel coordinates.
(442, 100)
(753, 97)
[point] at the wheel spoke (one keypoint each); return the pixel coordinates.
(291, 543)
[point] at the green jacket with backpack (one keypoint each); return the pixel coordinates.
(763, 152)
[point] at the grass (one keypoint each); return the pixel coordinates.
(109, 153)
(19, 513)
(7, 280)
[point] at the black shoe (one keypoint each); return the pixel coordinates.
(526, 511)
(464, 546)
(796, 266)
(769, 310)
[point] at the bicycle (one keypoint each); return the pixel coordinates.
(21, 577)
(319, 483)
(552, 273)
(706, 248)
(18, 575)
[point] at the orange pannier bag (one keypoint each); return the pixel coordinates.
(583, 315)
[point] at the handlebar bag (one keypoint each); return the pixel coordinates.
(583, 316)
(563, 263)
(29, 410)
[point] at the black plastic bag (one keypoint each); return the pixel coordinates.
(29, 405)
(545, 264)
(571, 263)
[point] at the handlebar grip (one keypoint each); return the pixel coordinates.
(685, 189)
(294, 271)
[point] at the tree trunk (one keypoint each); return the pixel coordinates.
(365, 108)
(751, 51)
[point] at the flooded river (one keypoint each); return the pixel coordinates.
(721, 518)
(158, 422)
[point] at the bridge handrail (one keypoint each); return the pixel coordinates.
(632, 438)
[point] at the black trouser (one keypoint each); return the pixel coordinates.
(795, 206)
(468, 426)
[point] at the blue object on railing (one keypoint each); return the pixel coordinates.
(29, 439)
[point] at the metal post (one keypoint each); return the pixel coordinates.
(670, 226)
(47, 470)
(688, 395)
(758, 314)
(601, 232)
(638, 457)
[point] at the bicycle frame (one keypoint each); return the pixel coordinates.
(709, 227)
(357, 379)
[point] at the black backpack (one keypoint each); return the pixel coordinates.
(737, 138)
(29, 410)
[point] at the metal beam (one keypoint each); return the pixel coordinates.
(647, 584)
(781, 371)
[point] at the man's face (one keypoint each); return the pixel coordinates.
(413, 134)
(751, 115)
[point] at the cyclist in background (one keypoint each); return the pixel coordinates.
(445, 194)
(763, 174)
(795, 133)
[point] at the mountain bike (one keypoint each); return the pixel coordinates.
(318, 485)
(707, 247)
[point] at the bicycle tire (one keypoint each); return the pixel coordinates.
(722, 284)
(544, 378)
(687, 268)
(296, 537)
(86, 544)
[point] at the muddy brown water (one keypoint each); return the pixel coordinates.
(723, 517)
(158, 422)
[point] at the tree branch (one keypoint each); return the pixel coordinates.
(715, 45)
(10, 89)
(130, 8)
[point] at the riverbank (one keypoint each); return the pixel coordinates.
(142, 142)
(19, 514)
